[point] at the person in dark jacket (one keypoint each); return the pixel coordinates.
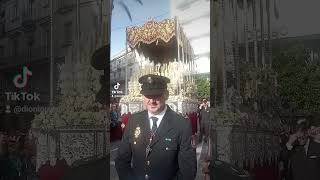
(156, 141)
(304, 152)
(283, 157)
(204, 114)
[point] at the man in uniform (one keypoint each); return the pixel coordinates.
(204, 118)
(304, 151)
(157, 141)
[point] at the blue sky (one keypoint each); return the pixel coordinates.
(157, 9)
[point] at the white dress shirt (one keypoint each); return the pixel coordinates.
(159, 116)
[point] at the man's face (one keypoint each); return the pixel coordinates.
(302, 138)
(155, 103)
(205, 104)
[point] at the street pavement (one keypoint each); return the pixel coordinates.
(113, 153)
(201, 150)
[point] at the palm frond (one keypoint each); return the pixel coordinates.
(125, 7)
(139, 1)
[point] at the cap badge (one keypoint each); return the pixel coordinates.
(149, 79)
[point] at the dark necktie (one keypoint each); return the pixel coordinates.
(153, 131)
(154, 124)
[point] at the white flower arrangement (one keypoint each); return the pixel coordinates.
(78, 84)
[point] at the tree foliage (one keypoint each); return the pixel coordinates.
(203, 87)
(299, 79)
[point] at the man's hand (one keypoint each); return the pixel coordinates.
(123, 125)
(292, 139)
(193, 141)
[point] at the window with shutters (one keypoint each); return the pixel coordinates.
(45, 3)
(14, 12)
(68, 33)
(14, 48)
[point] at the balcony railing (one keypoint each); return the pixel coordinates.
(40, 52)
(27, 15)
(65, 5)
(26, 56)
(42, 15)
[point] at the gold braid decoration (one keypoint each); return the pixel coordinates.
(150, 32)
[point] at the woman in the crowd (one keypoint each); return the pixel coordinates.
(114, 115)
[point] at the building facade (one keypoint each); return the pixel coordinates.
(122, 66)
(38, 35)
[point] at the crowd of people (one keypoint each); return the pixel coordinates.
(299, 156)
(116, 122)
(199, 120)
(17, 158)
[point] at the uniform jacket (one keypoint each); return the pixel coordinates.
(204, 115)
(305, 165)
(171, 157)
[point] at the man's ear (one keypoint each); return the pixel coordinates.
(166, 95)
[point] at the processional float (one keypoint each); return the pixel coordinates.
(161, 48)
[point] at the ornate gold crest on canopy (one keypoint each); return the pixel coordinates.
(151, 31)
(161, 48)
(161, 42)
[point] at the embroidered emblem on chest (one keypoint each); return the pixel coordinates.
(137, 132)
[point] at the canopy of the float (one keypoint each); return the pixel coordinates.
(161, 42)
